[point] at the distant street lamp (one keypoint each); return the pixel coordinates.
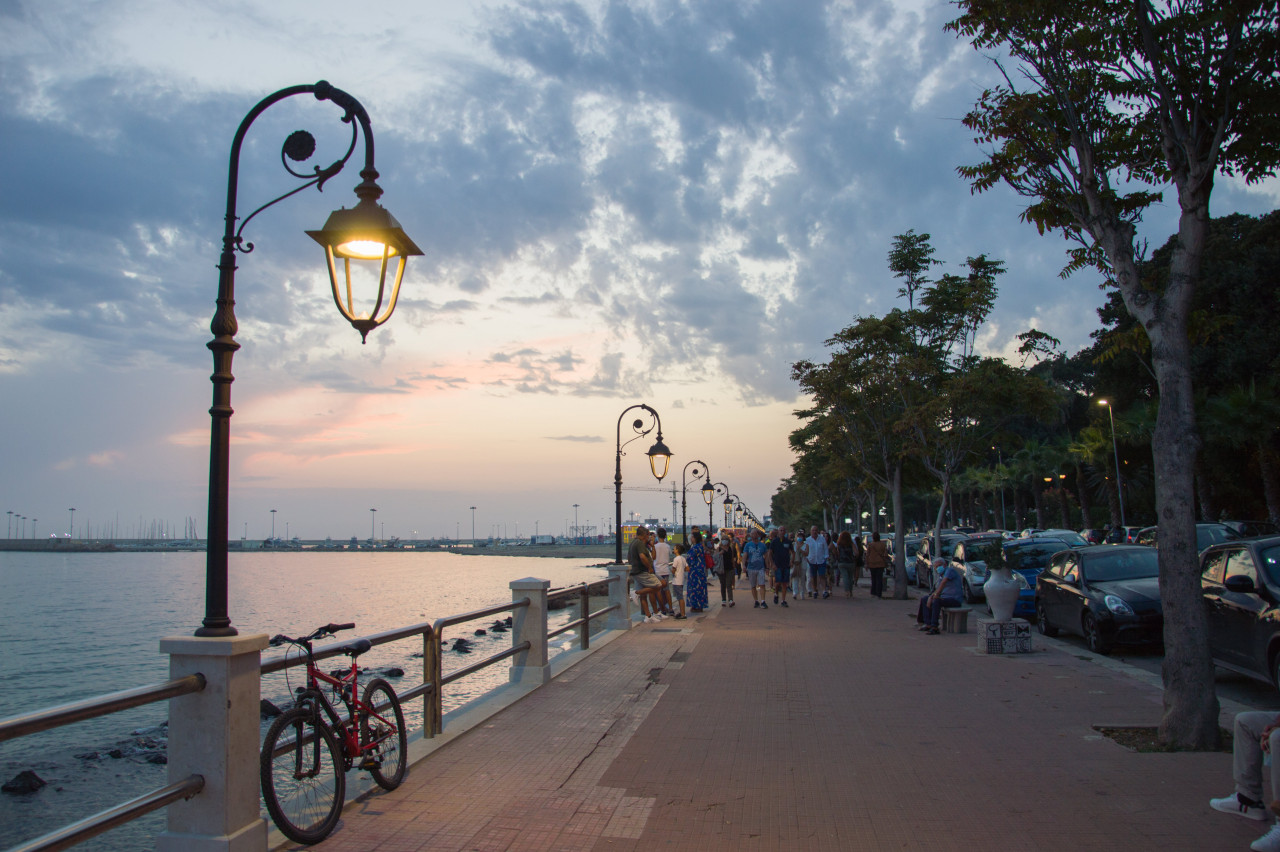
(473, 526)
(34, 521)
(728, 509)
(684, 512)
(273, 524)
(373, 514)
(9, 533)
(577, 531)
(659, 461)
(71, 524)
(367, 232)
(1115, 449)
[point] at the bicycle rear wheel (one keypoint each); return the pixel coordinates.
(391, 752)
(303, 783)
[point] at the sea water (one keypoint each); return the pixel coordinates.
(78, 625)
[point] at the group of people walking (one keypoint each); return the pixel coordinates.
(666, 578)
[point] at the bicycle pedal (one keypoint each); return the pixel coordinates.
(369, 764)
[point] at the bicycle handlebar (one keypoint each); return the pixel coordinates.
(328, 629)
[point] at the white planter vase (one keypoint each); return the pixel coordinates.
(1002, 593)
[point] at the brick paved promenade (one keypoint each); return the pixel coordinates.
(830, 725)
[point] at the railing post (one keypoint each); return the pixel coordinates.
(215, 733)
(620, 618)
(529, 623)
(584, 613)
(431, 674)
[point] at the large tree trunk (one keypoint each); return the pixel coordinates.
(899, 542)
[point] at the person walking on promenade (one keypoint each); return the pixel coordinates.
(845, 561)
(647, 585)
(799, 567)
(815, 551)
(662, 567)
(1257, 735)
(728, 568)
(877, 559)
(695, 583)
(679, 570)
(753, 553)
(778, 559)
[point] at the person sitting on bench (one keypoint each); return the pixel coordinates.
(946, 594)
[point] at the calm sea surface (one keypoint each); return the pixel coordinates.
(73, 626)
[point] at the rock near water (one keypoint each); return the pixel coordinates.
(23, 783)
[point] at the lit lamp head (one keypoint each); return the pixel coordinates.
(370, 237)
(659, 459)
(728, 503)
(708, 492)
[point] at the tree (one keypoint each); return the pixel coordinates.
(1123, 97)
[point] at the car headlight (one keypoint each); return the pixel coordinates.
(1117, 605)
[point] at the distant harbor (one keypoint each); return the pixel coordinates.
(564, 549)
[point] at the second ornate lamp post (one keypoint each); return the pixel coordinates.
(659, 461)
(684, 514)
(366, 232)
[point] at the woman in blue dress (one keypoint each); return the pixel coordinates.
(695, 584)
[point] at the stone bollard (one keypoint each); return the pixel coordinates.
(215, 733)
(529, 623)
(619, 595)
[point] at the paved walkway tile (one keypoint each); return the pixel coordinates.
(831, 725)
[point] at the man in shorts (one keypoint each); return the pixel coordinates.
(753, 552)
(778, 559)
(662, 567)
(815, 550)
(646, 584)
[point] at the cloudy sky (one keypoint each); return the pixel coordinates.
(619, 202)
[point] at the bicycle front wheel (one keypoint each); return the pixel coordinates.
(303, 783)
(382, 726)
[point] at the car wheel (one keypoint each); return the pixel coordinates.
(1093, 635)
(1042, 621)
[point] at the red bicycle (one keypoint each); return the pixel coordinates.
(309, 748)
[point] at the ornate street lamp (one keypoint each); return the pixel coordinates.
(709, 495)
(659, 461)
(728, 509)
(684, 512)
(367, 232)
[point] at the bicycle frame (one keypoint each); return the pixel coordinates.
(348, 729)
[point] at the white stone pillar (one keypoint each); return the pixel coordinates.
(619, 594)
(529, 623)
(215, 733)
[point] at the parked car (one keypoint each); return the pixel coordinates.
(1069, 537)
(1206, 534)
(910, 544)
(1026, 556)
(969, 559)
(1252, 529)
(1094, 535)
(926, 577)
(1107, 593)
(1240, 586)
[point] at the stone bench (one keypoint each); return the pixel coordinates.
(956, 619)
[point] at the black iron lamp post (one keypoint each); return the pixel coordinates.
(684, 514)
(366, 232)
(659, 461)
(709, 496)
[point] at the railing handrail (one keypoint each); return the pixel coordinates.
(82, 830)
(102, 705)
(337, 648)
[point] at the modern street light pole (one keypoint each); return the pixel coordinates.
(659, 456)
(1115, 448)
(273, 524)
(373, 514)
(473, 526)
(366, 232)
(9, 533)
(684, 512)
(577, 530)
(71, 524)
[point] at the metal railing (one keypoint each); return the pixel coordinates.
(431, 690)
(92, 708)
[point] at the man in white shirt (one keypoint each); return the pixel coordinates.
(815, 551)
(662, 567)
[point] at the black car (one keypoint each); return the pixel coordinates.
(1107, 593)
(1240, 584)
(1206, 534)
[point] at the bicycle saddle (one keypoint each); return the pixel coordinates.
(357, 648)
